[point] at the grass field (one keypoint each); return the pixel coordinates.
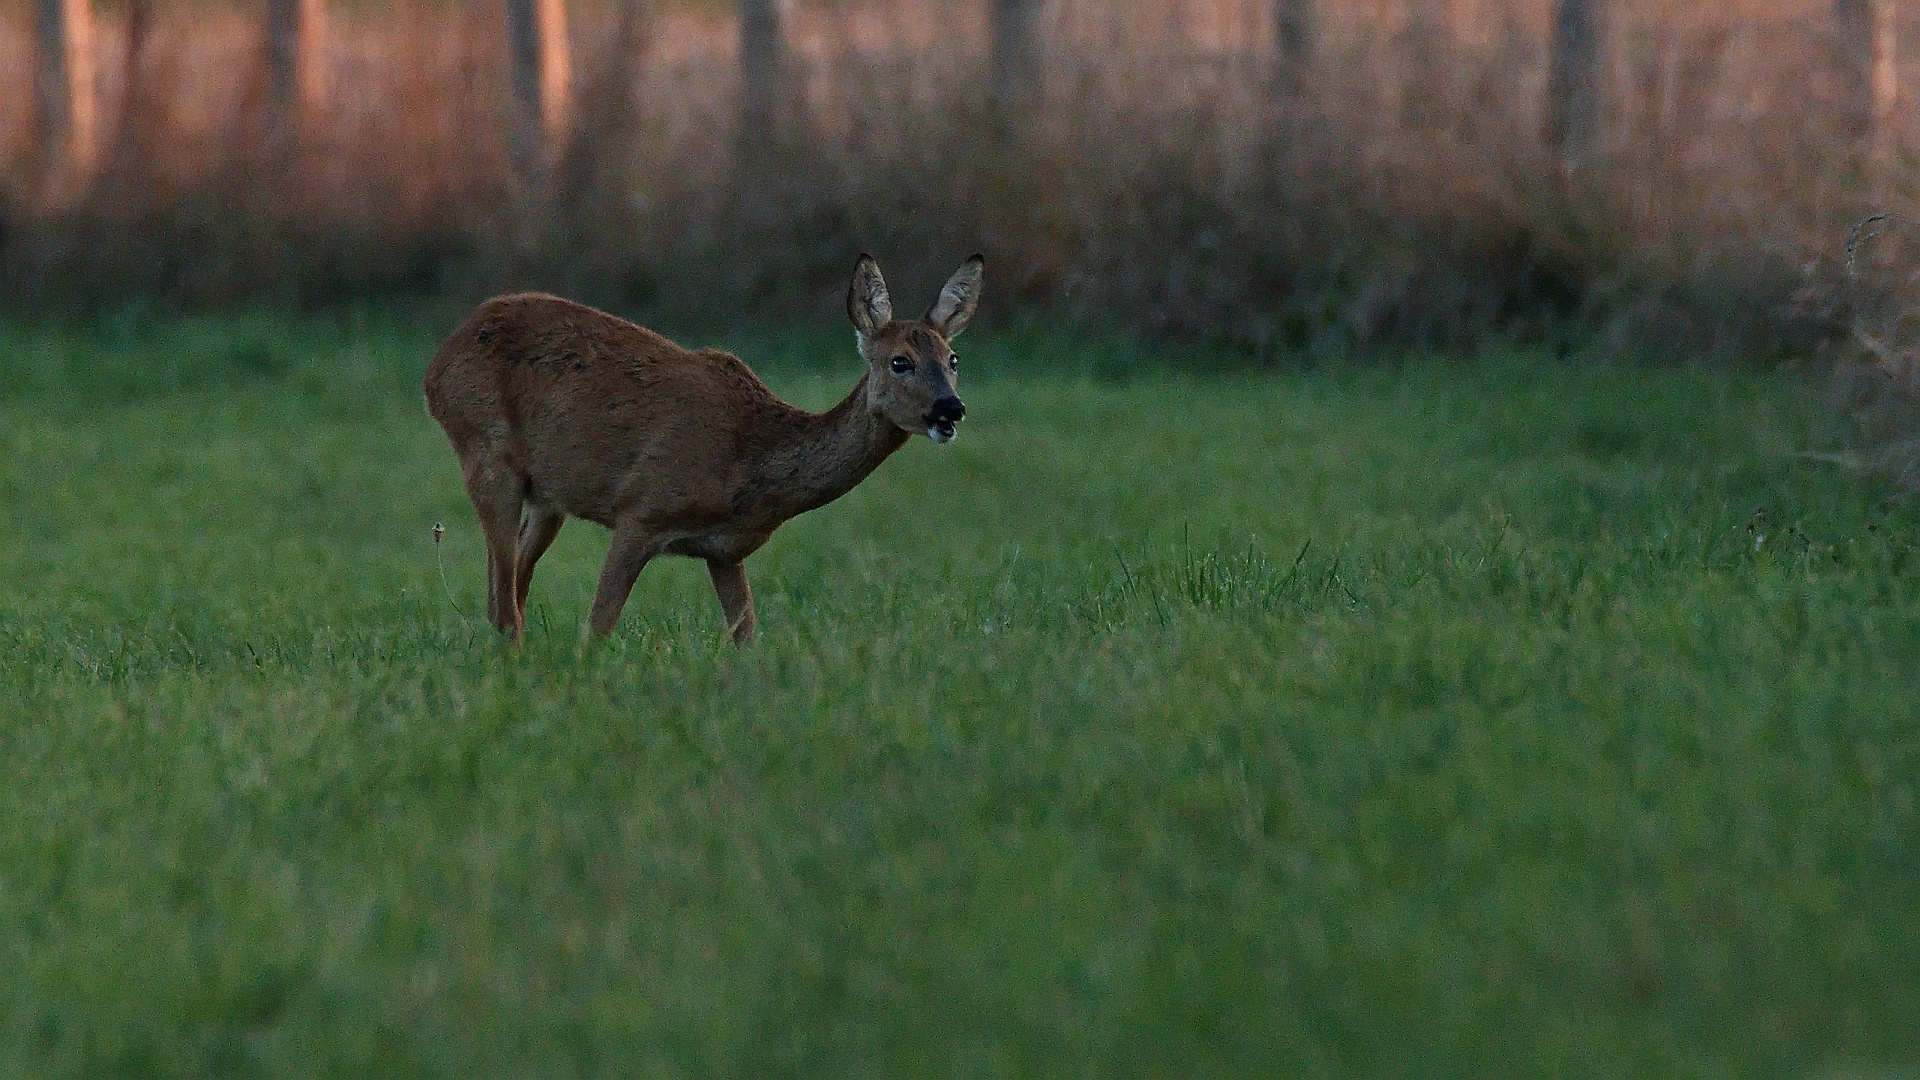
(1469, 719)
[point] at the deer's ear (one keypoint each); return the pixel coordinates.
(867, 302)
(959, 299)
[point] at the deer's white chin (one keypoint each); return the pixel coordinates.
(941, 433)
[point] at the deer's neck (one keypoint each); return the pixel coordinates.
(828, 454)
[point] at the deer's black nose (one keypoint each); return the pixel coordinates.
(948, 410)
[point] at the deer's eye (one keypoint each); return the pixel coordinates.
(954, 362)
(901, 365)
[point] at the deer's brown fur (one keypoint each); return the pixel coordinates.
(558, 410)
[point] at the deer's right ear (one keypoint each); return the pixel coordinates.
(868, 304)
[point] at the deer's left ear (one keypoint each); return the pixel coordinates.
(959, 299)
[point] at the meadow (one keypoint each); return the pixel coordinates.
(1507, 715)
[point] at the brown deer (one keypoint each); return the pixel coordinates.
(557, 409)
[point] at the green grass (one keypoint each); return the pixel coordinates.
(1461, 719)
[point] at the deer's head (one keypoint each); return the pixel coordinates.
(910, 362)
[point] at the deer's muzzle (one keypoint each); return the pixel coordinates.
(941, 419)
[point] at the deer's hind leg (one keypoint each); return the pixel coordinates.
(497, 493)
(736, 599)
(536, 536)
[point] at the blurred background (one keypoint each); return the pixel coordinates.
(1285, 175)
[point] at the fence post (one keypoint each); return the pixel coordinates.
(1292, 44)
(1016, 52)
(66, 114)
(542, 65)
(764, 67)
(1573, 81)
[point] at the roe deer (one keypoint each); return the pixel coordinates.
(560, 410)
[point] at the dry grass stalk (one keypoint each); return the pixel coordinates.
(1876, 297)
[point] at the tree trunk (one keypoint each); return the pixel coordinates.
(1853, 33)
(66, 117)
(1886, 95)
(1425, 90)
(589, 176)
(296, 60)
(127, 174)
(764, 67)
(1016, 52)
(1870, 87)
(542, 63)
(1292, 44)
(1573, 80)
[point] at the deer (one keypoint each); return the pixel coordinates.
(557, 410)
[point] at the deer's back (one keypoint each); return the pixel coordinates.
(596, 412)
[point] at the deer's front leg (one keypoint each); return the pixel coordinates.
(736, 599)
(630, 552)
